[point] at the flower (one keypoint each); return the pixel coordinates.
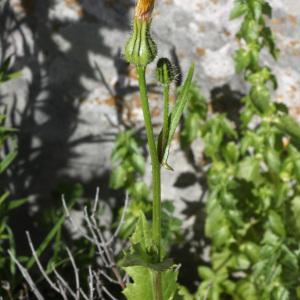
(143, 9)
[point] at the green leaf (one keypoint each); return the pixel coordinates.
(216, 226)
(5, 65)
(4, 73)
(7, 160)
(143, 287)
(289, 125)
(296, 213)
(16, 203)
(12, 76)
(183, 294)
(118, 178)
(269, 40)
(276, 223)
(290, 259)
(138, 162)
(273, 161)
(239, 9)
(246, 290)
(257, 9)
(176, 114)
(206, 273)
(242, 59)
(3, 198)
(142, 234)
(260, 97)
(12, 247)
(251, 250)
(231, 153)
(249, 169)
(267, 9)
(250, 30)
(281, 293)
(118, 154)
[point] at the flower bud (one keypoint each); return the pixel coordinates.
(164, 71)
(140, 49)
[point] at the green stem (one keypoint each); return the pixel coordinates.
(166, 115)
(156, 214)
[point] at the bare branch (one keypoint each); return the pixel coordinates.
(91, 283)
(122, 221)
(108, 277)
(41, 268)
(63, 282)
(96, 202)
(27, 277)
(98, 286)
(106, 291)
(109, 256)
(95, 239)
(71, 220)
(75, 273)
(95, 236)
(62, 291)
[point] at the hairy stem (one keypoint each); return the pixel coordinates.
(156, 214)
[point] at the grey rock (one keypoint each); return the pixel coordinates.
(70, 54)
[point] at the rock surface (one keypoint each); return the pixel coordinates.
(76, 88)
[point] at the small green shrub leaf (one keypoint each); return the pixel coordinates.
(238, 10)
(249, 169)
(276, 223)
(118, 177)
(289, 125)
(242, 60)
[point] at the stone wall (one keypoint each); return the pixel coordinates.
(76, 89)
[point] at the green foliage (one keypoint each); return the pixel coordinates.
(141, 265)
(194, 116)
(253, 180)
(128, 171)
(7, 267)
(128, 163)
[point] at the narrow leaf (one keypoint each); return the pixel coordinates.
(176, 114)
(7, 161)
(16, 203)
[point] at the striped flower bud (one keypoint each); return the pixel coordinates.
(140, 49)
(164, 71)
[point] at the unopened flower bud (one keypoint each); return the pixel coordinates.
(140, 49)
(165, 71)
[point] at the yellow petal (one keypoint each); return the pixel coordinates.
(144, 9)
